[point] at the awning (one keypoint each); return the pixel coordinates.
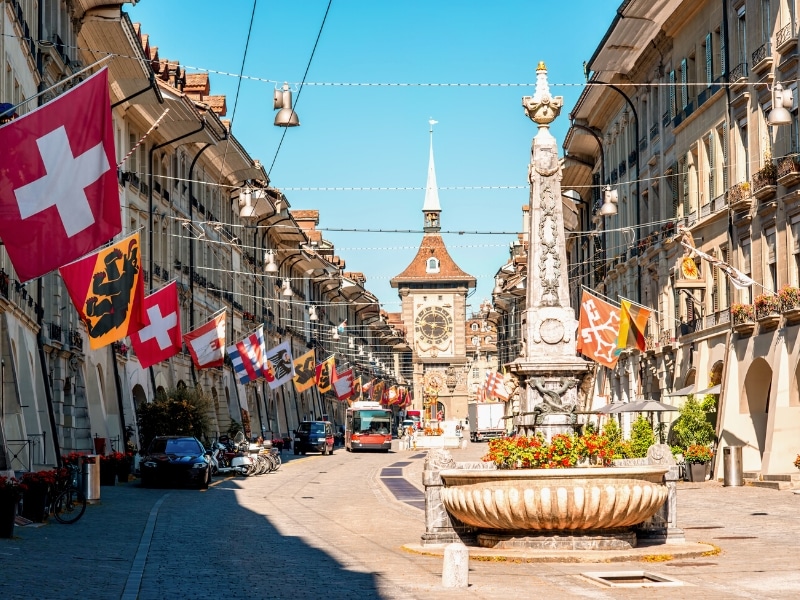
(712, 390)
(689, 389)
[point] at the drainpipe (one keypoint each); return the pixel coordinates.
(191, 249)
(48, 391)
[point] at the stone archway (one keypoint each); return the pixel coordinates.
(754, 400)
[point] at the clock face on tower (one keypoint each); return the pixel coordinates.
(433, 325)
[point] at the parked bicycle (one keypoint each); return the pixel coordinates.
(69, 502)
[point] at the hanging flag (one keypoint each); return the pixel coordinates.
(248, 357)
(326, 374)
(392, 395)
(495, 386)
(59, 196)
(160, 337)
(737, 278)
(598, 330)
(377, 392)
(342, 326)
(357, 388)
(632, 324)
(343, 384)
(366, 389)
(280, 364)
(304, 371)
(207, 343)
(107, 289)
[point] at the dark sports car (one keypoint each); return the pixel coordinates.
(176, 460)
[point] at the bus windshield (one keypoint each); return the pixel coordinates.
(372, 421)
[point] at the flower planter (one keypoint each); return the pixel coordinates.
(34, 500)
(696, 472)
(572, 501)
(8, 514)
(123, 471)
(108, 475)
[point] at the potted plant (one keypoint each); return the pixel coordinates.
(38, 485)
(110, 465)
(11, 490)
(697, 456)
(789, 296)
(742, 313)
(766, 305)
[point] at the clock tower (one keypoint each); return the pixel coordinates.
(433, 291)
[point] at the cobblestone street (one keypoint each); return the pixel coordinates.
(330, 527)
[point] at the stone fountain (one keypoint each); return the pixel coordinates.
(578, 508)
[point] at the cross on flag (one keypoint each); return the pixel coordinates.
(160, 337)
(59, 197)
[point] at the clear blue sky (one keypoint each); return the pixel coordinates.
(357, 136)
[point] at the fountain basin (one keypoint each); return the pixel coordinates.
(576, 500)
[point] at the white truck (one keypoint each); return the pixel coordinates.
(486, 420)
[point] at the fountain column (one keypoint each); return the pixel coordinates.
(549, 372)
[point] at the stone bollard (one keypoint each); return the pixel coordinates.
(455, 570)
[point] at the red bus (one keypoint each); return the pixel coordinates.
(368, 426)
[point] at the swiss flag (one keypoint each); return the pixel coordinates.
(59, 197)
(160, 337)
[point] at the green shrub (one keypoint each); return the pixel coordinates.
(692, 426)
(642, 437)
(181, 411)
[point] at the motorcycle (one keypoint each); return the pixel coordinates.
(231, 457)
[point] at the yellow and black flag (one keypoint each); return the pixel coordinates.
(304, 371)
(107, 289)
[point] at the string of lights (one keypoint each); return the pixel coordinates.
(431, 84)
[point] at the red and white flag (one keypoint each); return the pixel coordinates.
(598, 330)
(495, 388)
(160, 337)
(59, 197)
(343, 385)
(207, 343)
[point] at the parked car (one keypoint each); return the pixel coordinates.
(176, 460)
(314, 436)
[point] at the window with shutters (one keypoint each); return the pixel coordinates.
(683, 199)
(721, 163)
(742, 153)
(684, 84)
(723, 285)
(708, 49)
(673, 182)
(722, 64)
(708, 172)
(673, 108)
(794, 268)
(770, 239)
(766, 23)
(744, 248)
(741, 36)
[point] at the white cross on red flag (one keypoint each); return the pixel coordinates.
(160, 338)
(59, 197)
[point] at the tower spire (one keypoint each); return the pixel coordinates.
(431, 209)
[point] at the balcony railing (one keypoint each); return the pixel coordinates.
(788, 171)
(738, 73)
(765, 181)
(785, 36)
(761, 58)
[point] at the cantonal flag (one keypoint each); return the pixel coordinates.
(632, 324)
(280, 364)
(248, 357)
(304, 371)
(343, 384)
(326, 374)
(59, 196)
(160, 337)
(495, 387)
(598, 330)
(207, 343)
(107, 289)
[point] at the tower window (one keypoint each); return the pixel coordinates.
(432, 265)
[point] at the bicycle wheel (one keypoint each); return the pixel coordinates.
(69, 506)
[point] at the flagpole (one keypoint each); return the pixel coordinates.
(10, 111)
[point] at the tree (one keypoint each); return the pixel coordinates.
(642, 437)
(181, 411)
(692, 425)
